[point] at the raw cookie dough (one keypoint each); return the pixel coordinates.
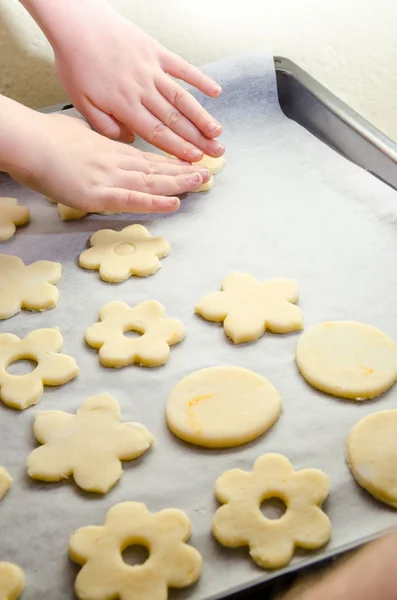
(272, 542)
(67, 213)
(89, 445)
(5, 482)
(171, 562)
(27, 286)
(11, 215)
(221, 407)
(119, 254)
(214, 165)
(347, 359)
(371, 453)
(151, 349)
(42, 346)
(12, 581)
(247, 307)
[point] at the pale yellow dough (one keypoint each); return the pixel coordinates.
(272, 543)
(348, 359)
(119, 254)
(371, 452)
(247, 308)
(5, 482)
(150, 349)
(27, 286)
(42, 346)
(214, 165)
(67, 213)
(11, 215)
(12, 581)
(221, 407)
(171, 564)
(89, 445)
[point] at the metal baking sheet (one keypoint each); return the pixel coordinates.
(285, 205)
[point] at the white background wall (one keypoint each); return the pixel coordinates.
(349, 45)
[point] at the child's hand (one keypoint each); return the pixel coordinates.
(119, 78)
(71, 164)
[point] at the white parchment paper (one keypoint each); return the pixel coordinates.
(284, 206)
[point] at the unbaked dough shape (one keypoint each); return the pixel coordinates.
(5, 482)
(53, 368)
(89, 445)
(172, 563)
(272, 542)
(151, 349)
(371, 452)
(222, 407)
(247, 307)
(214, 165)
(120, 254)
(27, 286)
(347, 359)
(11, 215)
(68, 213)
(12, 581)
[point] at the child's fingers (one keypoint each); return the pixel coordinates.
(159, 106)
(153, 157)
(189, 106)
(123, 200)
(149, 167)
(175, 66)
(164, 185)
(105, 124)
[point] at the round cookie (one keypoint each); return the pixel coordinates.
(347, 359)
(221, 407)
(371, 453)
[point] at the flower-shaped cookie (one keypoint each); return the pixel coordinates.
(247, 307)
(42, 346)
(11, 215)
(12, 581)
(120, 254)
(68, 213)
(240, 521)
(151, 349)
(31, 287)
(171, 562)
(89, 445)
(5, 482)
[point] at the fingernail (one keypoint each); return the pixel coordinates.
(173, 201)
(217, 89)
(219, 149)
(195, 179)
(195, 154)
(205, 173)
(213, 127)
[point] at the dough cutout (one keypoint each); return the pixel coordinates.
(12, 581)
(171, 564)
(67, 213)
(11, 215)
(247, 308)
(119, 254)
(89, 445)
(42, 346)
(151, 349)
(222, 407)
(214, 165)
(27, 286)
(5, 484)
(372, 457)
(347, 359)
(272, 542)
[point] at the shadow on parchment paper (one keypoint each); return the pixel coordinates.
(22, 81)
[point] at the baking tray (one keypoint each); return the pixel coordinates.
(312, 106)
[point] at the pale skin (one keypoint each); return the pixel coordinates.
(121, 80)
